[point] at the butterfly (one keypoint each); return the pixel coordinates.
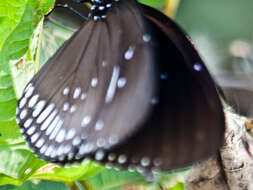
(127, 89)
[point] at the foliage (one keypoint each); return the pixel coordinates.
(21, 29)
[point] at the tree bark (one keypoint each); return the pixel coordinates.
(232, 169)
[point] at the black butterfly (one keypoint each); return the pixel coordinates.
(129, 89)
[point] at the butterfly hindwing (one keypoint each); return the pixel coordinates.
(187, 123)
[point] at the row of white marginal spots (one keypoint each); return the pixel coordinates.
(61, 151)
(51, 123)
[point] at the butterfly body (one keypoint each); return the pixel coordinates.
(122, 91)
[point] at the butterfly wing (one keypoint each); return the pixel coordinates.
(187, 123)
(94, 92)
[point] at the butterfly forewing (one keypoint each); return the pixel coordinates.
(94, 92)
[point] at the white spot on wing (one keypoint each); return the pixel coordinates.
(197, 67)
(28, 122)
(112, 86)
(56, 129)
(129, 53)
(145, 161)
(66, 149)
(17, 111)
(53, 154)
(99, 125)
(108, 5)
(100, 142)
(31, 130)
(104, 63)
(52, 125)
(121, 82)
(29, 92)
(38, 108)
(111, 156)
(94, 82)
(95, 18)
(99, 155)
(73, 108)
(49, 150)
(146, 37)
(65, 106)
(43, 148)
(76, 141)
(33, 100)
(45, 113)
(61, 135)
(28, 86)
(86, 120)
(70, 134)
(35, 137)
(83, 96)
(71, 156)
(86, 148)
(122, 159)
(39, 143)
(66, 91)
(101, 8)
(131, 168)
(59, 151)
(77, 93)
(22, 102)
(48, 120)
(113, 140)
(23, 114)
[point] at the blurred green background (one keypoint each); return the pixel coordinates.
(222, 31)
(223, 34)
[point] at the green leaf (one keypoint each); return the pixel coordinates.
(19, 31)
(111, 179)
(17, 163)
(178, 186)
(172, 179)
(158, 4)
(68, 174)
(9, 133)
(19, 20)
(40, 185)
(7, 110)
(4, 179)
